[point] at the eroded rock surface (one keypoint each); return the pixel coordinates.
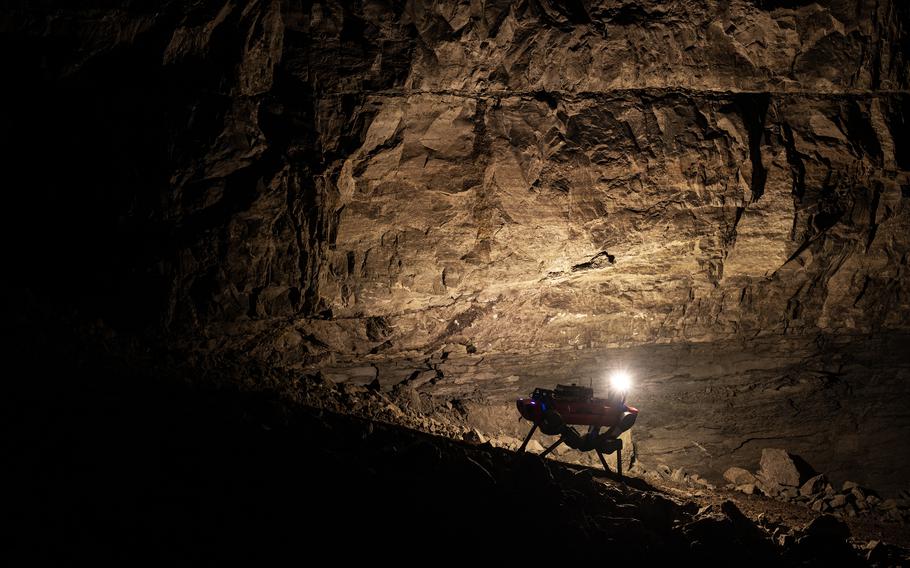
(493, 194)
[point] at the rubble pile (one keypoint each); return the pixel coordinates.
(787, 477)
(679, 476)
(403, 405)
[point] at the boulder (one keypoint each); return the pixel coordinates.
(768, 488)
(824, 543)
(877, 552)
(739, 476)
(814, 485)
(780, 467)
(829, 527)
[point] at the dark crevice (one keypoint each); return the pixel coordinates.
(861, 134)
(547, 97)
(873, 213)
(599, 260)
(482, 142)
(253, 310)
(862, 291)
(754, 109)
(795, 159)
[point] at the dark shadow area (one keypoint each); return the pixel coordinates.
(115, 464)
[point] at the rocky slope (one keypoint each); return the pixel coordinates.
(144, 468)
(493, 194)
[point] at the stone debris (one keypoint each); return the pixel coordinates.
(739, 476)
(474, 436)
(780, 471)
(813, 485)
(403, 405)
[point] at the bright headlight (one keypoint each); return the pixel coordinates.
(620, 381)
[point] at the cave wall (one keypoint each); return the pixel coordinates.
(307, 180)
(368, 187)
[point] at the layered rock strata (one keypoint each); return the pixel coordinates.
(350, 187)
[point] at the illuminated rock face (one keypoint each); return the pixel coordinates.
(525, 178)
(355, 187)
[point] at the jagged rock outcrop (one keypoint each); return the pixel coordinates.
(362, 187)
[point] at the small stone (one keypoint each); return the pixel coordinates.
(872, 500)
(888, 504)
(850, 510)
(511, 443)
(838, 501)
(534, 447)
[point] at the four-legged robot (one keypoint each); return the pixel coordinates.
(554, 411)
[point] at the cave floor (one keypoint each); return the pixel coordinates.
(135, 470)
(842, 402)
